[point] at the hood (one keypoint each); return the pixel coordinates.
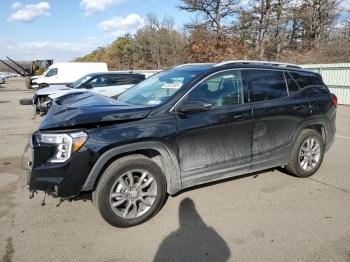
(60, 93)
(89, 108)
(52, 89)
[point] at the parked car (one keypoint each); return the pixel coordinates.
(66, 73)
(105, 83)
(2, 80)
(185, 126)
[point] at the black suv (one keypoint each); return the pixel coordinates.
(189, 125)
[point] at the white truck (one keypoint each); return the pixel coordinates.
(66, 73)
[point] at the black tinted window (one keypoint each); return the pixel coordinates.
(292, 85)
(306, 79)
(123, 80)
(135, 79)
(266, 84)
(117, 80)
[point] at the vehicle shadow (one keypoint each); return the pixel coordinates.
(193, 240)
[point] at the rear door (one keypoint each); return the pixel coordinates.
(278, 109)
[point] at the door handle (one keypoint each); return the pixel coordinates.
(298, 107)
(240, 117)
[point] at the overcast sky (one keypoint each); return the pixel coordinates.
(65, 29)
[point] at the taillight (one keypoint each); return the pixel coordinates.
(334, 100)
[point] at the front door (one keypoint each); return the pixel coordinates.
(215, 143)
(98, 85)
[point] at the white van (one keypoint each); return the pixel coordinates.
(66, 73)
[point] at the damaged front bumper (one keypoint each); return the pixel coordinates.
(64, 180)
(42, 103)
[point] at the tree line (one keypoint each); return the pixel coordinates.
(296, 31)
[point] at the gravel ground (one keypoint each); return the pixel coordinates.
(266, 217)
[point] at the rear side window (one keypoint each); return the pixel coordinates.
(306, 79)
(133, 80)
(292, 85)
(117, 80)
(266, 84)
(123, 80)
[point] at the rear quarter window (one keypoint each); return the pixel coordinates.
(306, 79)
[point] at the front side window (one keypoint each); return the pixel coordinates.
(98, 81)
(158, 88)
(79, 83)
(220, 90)
(51, 72)
(266, 84)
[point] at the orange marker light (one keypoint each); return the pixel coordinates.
(78, 143)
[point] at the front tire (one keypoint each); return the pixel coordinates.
(307, 154)
(131, 190)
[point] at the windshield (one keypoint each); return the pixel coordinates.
(156, 89)
(80, 81)
(45, 72)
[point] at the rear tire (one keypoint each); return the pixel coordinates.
(130, 191)
(307, 154)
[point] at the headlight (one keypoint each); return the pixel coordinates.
(64, 144)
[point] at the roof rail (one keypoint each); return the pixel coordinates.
(194, 64)
(271, 63)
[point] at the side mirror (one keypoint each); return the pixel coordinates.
(193, 106)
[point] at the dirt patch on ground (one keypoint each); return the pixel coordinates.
(10, 172)
(12, 164)
(9, 251)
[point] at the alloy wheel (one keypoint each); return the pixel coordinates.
(133, 194)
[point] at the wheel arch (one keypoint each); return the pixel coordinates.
(156, 151)
(318, 125)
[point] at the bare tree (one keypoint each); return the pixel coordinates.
(298, 31)
(212, 12)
